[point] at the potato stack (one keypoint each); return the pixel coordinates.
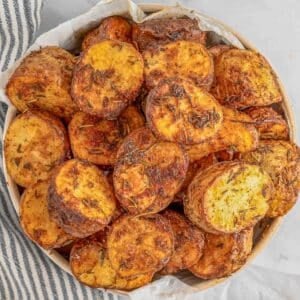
(150, 153)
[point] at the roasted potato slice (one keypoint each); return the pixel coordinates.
(107, 78)
(217, 50)
(43, 80)
(179, 111)
(139, 245)
(97, 140)
(111, 28)
(237, 134)
(244, 78)
(269, 123)
(188, 243)
(155, 32)
(228, 197)
(186, 59)
(34, 144)
(148, 175)
(80, 198)
(36, 221)
(223, 254)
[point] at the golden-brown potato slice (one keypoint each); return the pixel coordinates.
(43, 80)
(156, 32)
(36, 221)
(244, 78)
(107, 78)
(217, 50)
(34, 144)
(139, 245)
(223, 254)
(80, 198)
(188, 243)
(111, 28)
(269, 123)
(237, 134)
(228, 197)
(179, 111)
(97, 140)
(186, 59)
(149, 173)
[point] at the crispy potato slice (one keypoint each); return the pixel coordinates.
(139, 245)
(155, 32)
(35, 143)
(269, 123)
(223, 254)
(188, 244)
(111, 28)
(189, 60)
(228, 197)
(36, 221)
(237, 134)
(217, 50)
(80, 198)
(179, 111)
(149, 173)
(97, 140)
(43, 80)
(107, 78)
(244, 78)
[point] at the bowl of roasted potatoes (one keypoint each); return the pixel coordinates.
(150, 150)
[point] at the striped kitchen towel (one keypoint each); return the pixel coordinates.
(25, 272)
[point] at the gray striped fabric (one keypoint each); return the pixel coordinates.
(25, 272)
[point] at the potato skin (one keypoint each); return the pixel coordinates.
(217, 50)
(35, 143)
(148, 173)
(188, 244)
(156, 32)
(244, 78)
(223, 254)
(36, 221)
(111, 28)
(186, 59)
(144, 250)
(178, 111)
(101, 84)
(43, 81)
(80, 198)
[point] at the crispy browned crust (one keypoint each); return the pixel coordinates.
(80, 198)
(43, 80)
(140, 244)
(178, 111)
(223, 254)
(111, 28)
(269, 123)
(148, 173)
(35, 143)
(104, 87)
(188, 243)
(152, 33)
(217, 50)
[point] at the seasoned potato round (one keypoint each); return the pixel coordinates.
(223, 254)
(217, 50)
(111, 28)
(269, 123)
(149, 173)
(36, 221)
(97, 140)
(139, 245)
(228, 197)
(107, 78)
(188, 243)
(80, 198)
(244, 78)
(186, 59)
(179, 111)
(43, 80)
(34, 144)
